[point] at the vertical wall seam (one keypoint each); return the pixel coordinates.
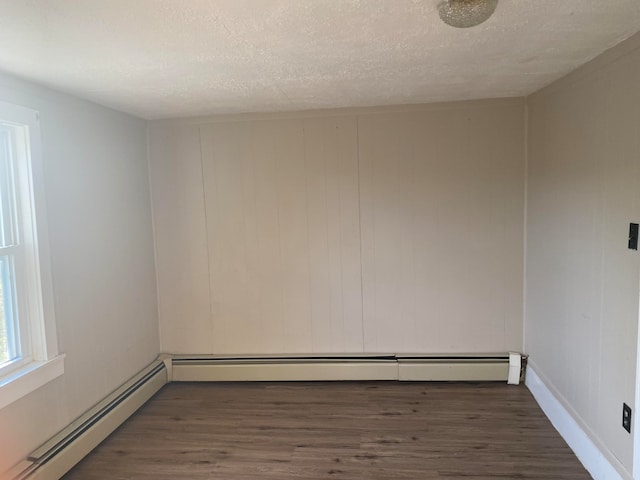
(525, 220)
(206, 233)
(340, 230)
(154, 239)
(284, 312)
(308, 231)
(362, 329)
(326, 171)
(597, 422)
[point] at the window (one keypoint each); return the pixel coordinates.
(28, 345)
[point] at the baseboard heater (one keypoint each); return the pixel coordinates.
(455, 368)
(403, 367)
(56, 457)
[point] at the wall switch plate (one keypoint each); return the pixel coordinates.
(626, 417)
(633, 236)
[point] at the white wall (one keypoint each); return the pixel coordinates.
(378, 230)
(98, 207)
(582, 281)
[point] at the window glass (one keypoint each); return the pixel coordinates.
(7, 191)
(9, 328)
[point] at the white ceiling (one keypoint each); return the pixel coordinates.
(168, 58)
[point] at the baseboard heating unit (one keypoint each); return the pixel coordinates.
(403, 367)
(57, 456)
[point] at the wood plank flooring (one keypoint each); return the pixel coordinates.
(340, 430)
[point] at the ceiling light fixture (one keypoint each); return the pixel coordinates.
(466, 13)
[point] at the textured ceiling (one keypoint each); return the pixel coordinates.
(168, 58)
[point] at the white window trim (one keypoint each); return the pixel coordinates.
(29, 378)
(46, 363)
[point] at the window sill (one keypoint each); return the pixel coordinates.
(29, 378)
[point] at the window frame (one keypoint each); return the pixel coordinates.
(40, 361)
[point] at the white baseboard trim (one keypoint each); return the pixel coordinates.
(597, 463)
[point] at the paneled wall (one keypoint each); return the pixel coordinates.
(441, 204)
(381, 230)
(284, 241)
(582, 280)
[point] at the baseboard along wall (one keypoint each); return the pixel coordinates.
(599, 462)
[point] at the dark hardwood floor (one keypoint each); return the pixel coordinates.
(377, 430)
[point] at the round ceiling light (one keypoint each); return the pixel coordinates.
(466, 13)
